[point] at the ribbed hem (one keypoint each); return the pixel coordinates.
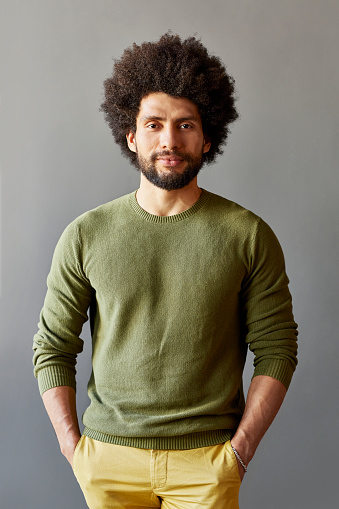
(190, 441)
(205, 195)
(55, 376)
(279, 369)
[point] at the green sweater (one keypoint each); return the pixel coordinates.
(173, 302)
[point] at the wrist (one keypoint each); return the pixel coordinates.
(244, 447)
(244, 444)
(239, 458)
(68, 445)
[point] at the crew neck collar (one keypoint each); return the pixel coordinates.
(169, 219)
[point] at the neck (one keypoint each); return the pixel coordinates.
(160, 202)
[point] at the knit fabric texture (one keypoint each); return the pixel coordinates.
(174, 303)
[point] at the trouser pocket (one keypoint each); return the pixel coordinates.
(232, 460)
(75, 455)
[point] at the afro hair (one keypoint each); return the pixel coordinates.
(179, 68)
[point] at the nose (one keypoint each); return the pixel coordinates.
(170, 138)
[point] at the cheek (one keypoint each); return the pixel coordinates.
(145, 144)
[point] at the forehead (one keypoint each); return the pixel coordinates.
(161, 105)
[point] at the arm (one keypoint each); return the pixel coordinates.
(271, 334)
(57, 343)
(264, 398)
(60, 403)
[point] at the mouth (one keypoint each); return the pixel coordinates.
(170, 160)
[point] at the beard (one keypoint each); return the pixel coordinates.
(171, 179)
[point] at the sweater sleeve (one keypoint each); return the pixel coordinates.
(68, 297)
(271, 331)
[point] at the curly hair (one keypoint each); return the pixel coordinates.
(177, 68)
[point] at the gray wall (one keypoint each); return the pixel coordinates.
(58, 159)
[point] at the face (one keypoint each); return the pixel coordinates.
(169, 140)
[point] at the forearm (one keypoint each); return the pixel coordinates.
(60, 403)
(264, 398)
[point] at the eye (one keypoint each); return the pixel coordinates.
(185, 126)
(152, 126)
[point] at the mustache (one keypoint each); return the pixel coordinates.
(168, 153)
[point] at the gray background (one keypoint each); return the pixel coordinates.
(58, 159)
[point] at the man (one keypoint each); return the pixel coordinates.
(178, 282)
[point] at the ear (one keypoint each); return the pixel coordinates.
(130, 137)
(207, 144)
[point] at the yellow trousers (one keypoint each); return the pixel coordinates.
(115, 476)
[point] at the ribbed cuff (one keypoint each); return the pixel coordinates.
(276, 368)
(55, 376)
(190, 441)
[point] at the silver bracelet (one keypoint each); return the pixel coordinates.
(239, 459)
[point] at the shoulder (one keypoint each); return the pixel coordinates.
(102, 217)
(242, 223)
(95, 222)
(107, 211)
(227, 211)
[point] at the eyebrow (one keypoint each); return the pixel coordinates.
(181, 119)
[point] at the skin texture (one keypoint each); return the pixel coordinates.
(60, 403)
(264, 398)
(172, 125)
(167, 124)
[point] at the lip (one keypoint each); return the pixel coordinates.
(170, 160)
